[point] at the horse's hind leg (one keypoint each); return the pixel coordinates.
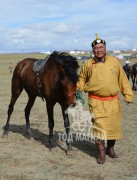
(16, 91)
(28, 107)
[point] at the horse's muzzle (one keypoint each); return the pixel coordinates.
(72, 105)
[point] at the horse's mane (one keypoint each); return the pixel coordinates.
(68, 62)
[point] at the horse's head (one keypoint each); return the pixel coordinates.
(67, 69)
(69, 90)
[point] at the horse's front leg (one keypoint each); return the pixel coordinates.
(50, 124)
(28, 107)
(67, 128)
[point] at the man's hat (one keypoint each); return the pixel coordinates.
(127, 62)
(97, 41)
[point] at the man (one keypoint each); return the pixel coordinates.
(126, 68)
(103, 78)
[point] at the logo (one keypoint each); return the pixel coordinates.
(82, 128)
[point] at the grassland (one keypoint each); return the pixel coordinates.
(23, 159)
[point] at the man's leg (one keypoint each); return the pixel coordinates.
(110, 149)
(100, 144)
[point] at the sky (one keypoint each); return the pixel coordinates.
(62, 25)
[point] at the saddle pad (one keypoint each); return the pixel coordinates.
(39, 65)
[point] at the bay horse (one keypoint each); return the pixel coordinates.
(55, 83)
(133, 73)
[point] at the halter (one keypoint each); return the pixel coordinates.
(69, 94)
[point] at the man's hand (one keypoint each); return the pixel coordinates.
(79, 97)
(128, 103)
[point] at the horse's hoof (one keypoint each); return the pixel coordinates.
(53, 149)
(70, 152)
(28, 137)
(4, 135)
(31, 138)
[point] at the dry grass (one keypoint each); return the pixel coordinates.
(23, 159)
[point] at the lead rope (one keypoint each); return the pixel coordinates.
(39, 85)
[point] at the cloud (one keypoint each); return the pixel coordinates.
(64, 25)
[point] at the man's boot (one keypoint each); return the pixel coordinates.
(100, 144)
(110, 149)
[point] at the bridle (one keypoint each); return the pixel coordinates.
(69, 94)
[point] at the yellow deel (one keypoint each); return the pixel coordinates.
(105, 79)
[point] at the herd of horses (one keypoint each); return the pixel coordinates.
(54, 80)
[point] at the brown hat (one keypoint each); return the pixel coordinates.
(97, 41)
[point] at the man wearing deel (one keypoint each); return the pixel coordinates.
(103, 78)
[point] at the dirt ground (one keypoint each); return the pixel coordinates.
(24, 159)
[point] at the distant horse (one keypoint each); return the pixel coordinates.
(10, 67)
(133, 73)
(54, 83)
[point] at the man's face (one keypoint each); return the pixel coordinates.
(99, 50)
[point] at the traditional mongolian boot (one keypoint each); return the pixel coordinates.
(110, 149)
(101, 151)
